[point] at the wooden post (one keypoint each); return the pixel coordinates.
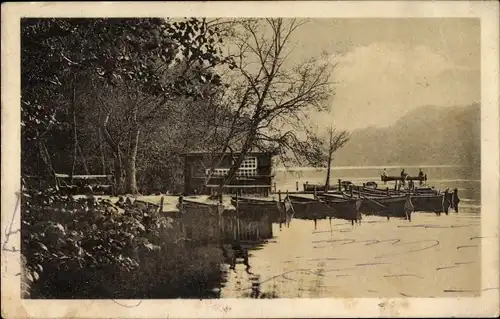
(387, 191)
(181, 202)
(237, 202)
(297, 186)
(340, 184)
(238, 228)
(315, 192)
(220, 198)
(160, 209)
(279, 203)
(274, 187)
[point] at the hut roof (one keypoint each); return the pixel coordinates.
(253, 151)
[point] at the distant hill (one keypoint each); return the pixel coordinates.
(428, 135)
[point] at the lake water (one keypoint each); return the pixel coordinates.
(431, 256)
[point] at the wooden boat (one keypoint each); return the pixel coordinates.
(399, 178)
(383, 205)
(343, 207)
(314, 187)
(389, 191)
(257, 206)
(309, 208)
(371, 185)
(426, 200)
(428, 203)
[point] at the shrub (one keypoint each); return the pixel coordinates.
(88, 248)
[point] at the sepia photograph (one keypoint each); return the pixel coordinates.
(217, 157)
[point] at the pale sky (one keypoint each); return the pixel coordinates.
(390, 66)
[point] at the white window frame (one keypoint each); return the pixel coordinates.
(247, 171)
(218, 172)
(254, 165)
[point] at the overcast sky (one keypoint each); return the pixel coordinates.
(390, 66)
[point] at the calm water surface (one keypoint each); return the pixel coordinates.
(432, 256)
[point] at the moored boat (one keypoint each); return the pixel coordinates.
(342, 207)
(309, 208)
(400, 178)
(428, 203)
(314, 187)
(426, 200)
(383, 205)
(257, 206)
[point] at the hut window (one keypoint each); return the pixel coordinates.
(247, 172)
(218, 171)
(249, 163)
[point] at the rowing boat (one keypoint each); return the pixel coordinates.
(309, 208)
(428, 203)
(257, 207)
(314, 187)
(382, 205)
(400, 178)
(424, 200)
(342, 207)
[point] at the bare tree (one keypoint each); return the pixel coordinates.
(333, 141)
(269, 94)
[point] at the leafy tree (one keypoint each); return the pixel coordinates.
(152, 61)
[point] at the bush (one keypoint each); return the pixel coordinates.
(87, 248)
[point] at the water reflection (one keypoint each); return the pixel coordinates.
(378, 259)
(434, 256)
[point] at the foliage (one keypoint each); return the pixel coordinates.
(120, 95)
(118, 50)
(151, 62)
(88, 248)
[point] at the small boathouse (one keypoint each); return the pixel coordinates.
(253, 177)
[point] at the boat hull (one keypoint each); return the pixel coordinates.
(387, 206)
(255, 208)
(313, 187)
(343, 208)
(423, 201)
(428, 203)
(305, 208)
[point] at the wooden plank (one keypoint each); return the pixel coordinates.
(241, 186)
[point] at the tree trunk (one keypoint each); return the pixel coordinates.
(117, 153)
(101, 150)
(327, 182)
(243, 152)
(119, 174)
(75, 140)
(84, 163)
(130, 169)
(44, 155)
